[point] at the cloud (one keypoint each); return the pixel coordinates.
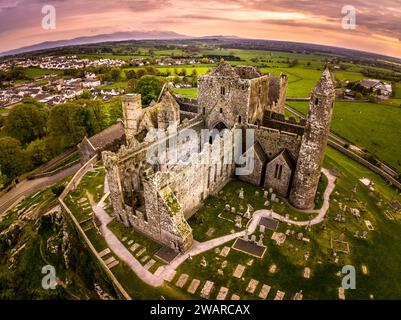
(292, 20)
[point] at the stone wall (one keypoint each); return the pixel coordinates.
(223, 99)
(274, 141)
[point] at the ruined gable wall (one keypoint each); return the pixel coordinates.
(279, 185)
(255, 178)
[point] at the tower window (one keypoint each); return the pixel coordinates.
(223, 91)
(316, 101)
(204, 111)
(239, 119)
(221, 110)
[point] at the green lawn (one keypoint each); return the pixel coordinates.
(187, 92)
(372, 126)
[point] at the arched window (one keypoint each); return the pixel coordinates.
(316, 101)
(239, 119)
(221, 110)
(223, 91)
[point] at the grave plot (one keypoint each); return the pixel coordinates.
(268, 223)
(249, 247)
(166, 254)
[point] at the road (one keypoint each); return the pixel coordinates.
(28, 187)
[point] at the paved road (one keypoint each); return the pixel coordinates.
(29, 187)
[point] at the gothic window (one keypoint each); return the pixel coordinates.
(223, 91)
(316, 101)
(239, 119)
(204, 111)
(221, 110)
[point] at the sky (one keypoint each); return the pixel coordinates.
(378, 23)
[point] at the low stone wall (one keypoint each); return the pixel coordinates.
(70, 187)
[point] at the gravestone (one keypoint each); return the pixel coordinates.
(193, 286)
(298, 295)
(241, 194)
(233, 210)
(307, 273)
(253, 238)
(203, 262)
(279, 295)
(252, 286)
(264, 291)
(265, 194)
(238, 272)
(222, 293)
(225, 251)
(207, 289)
(182, 280)
(238, 222)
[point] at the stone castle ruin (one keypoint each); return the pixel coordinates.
(157, 197)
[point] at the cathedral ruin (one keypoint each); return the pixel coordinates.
(157, 197)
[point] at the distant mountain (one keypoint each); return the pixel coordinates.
(116, 36)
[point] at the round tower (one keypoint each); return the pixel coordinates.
(314, 142)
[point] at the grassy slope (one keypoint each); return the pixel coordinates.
(374, 127)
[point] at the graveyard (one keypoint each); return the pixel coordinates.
(278, 260)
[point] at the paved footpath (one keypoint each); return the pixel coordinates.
(118, 248)
(199, 247)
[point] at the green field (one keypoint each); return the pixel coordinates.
(397, 93)
(375, 127)
(37, 72)
(191, 93)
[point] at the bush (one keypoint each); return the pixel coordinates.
(58, 190)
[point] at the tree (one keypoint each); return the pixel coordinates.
(130, 74)
(132, 85)
(13, 161)
(149, 87)
(115, 74)
(86, 94)
(66, 125)
(38, 152)
(26, 123)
